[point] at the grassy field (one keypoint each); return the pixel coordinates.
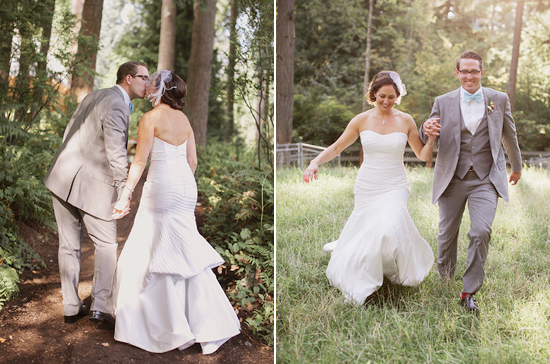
(423, 324)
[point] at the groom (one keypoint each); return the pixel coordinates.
(470, 167)
(86, 177)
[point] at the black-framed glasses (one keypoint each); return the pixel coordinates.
(472, 72)
(143, 77)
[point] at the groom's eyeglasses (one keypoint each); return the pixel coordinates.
(143, 77)
(472, 72)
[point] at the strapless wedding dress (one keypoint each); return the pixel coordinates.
(379, 238)
(168, 296)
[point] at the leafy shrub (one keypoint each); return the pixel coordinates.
(8, 282)
(319, 120)
(22, 197)
(240, 225)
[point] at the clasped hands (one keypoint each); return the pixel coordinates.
(122, 208)
(431, 127)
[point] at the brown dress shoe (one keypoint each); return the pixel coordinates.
(469, 303)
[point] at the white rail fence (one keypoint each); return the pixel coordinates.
(299, 155)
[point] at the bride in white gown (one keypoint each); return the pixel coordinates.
(168, 296)
(379, 238)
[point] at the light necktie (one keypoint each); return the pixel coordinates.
(469, 97)
(131, 106)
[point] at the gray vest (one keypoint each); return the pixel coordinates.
(475, 150)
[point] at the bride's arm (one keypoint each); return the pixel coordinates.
(192, 152)
(349, 135)
(146, 133)
(421, 150)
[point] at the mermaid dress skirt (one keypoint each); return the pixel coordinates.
(379, 238)
(168, 296)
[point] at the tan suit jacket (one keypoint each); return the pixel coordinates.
(501, 128)
(91, 166)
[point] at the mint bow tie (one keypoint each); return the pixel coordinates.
(469, 97)
(131, 106)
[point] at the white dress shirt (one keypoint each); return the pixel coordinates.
(472, 112)
(125, 95)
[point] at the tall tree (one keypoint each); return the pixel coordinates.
(167, 50)
(200, 67)
(49, 9)
(82, 82)
(367, 57)
(285, 70)
(512, 80)
(230, 70)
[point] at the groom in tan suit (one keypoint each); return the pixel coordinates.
(86, 177)
(474, 123)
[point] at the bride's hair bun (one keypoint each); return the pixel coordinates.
(173, 97)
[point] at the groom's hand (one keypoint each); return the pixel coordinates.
(514, 178)
(431, 127)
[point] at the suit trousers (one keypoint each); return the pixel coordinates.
(71, 222)
(482, 199)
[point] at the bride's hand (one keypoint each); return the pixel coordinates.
(122, 208)
(311, 172)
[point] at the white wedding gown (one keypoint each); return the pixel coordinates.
(168, 296)
(379, 238)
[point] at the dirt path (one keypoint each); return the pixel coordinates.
(34, 332)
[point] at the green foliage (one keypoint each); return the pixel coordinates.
(8, 282)
(33, 115)
(329, 116)
(240, 225)
(421, 40)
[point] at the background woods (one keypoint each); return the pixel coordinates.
(421, 40)
(54, 52)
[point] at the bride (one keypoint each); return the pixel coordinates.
(379, 238)
(168, 296)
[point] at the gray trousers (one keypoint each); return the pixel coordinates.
(482, 198)
(71, 222)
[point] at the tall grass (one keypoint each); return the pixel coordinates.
(423, 324)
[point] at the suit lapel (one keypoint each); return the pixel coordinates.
(127, 121)
(491, 124)
(454, 110)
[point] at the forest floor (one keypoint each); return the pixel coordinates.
(32, 328)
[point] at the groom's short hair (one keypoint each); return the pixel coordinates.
(469, 55)
(128, 68)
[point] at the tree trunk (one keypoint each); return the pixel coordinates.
(46, 34)
(230, 70)
(200, 67)
(167, 47)
(78, 6)
(91, 26)
(515, 54)
(367, 69)
(285, 70)
(367, 57)
(6, 38)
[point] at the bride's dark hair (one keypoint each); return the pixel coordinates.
(381, 79)
(173, 97)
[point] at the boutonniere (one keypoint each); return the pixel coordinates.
(491, 106)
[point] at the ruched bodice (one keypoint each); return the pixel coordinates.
(382, 166)
(379, 238)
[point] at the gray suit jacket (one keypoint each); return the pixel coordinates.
(91, 166)
(501, 127)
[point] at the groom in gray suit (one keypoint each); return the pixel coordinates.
(470, 167)
(86, 177)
